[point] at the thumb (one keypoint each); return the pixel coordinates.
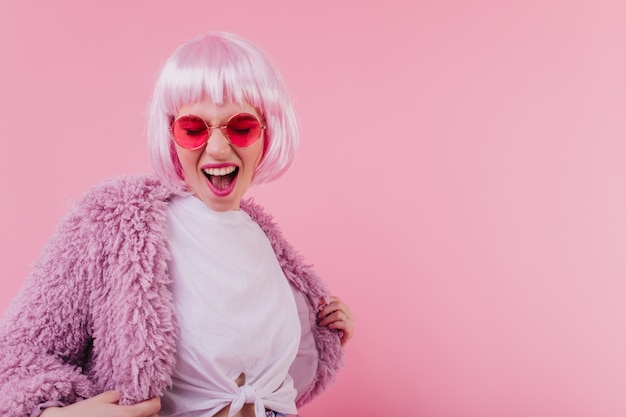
(111, 397)
(323, 302)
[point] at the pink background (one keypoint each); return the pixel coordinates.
(461, 181)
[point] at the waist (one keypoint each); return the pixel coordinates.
(247, 411)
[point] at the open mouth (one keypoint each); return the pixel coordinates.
(221, 179)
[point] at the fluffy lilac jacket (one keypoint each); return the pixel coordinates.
(96, 314)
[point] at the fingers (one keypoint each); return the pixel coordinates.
(147, 408)
(106, 405)
(336, 315)
(335, 310)
(333, 305)
(110, 397)
(333, 317)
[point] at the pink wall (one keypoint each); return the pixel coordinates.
(461, 182)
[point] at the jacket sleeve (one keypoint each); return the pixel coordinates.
(320, 356)
(44, 334)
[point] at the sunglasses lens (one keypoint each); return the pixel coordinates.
(243, 129)
(190, 132)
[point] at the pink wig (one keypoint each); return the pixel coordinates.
(226, 69)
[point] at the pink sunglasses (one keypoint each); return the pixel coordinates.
(192, 132)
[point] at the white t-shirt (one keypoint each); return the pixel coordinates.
(236, 312)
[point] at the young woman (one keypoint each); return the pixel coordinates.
(171, 292)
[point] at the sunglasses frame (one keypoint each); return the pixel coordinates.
(222, 127)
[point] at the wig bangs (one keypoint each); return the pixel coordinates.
(217, 74)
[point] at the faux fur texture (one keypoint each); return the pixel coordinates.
(96, 314)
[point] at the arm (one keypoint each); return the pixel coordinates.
(44, 334)
(96, 313)
(106, 405)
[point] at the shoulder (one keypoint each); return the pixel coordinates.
(122, 203)
(122, 196)
(284, 251)
(124, 191)
(259, 215)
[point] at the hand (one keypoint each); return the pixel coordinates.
(105, 405)
(337, 315)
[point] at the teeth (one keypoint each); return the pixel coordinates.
(220, 171)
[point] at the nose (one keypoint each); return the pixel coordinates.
(218, 145)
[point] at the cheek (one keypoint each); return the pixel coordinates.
(253, 161)
(185, 161)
